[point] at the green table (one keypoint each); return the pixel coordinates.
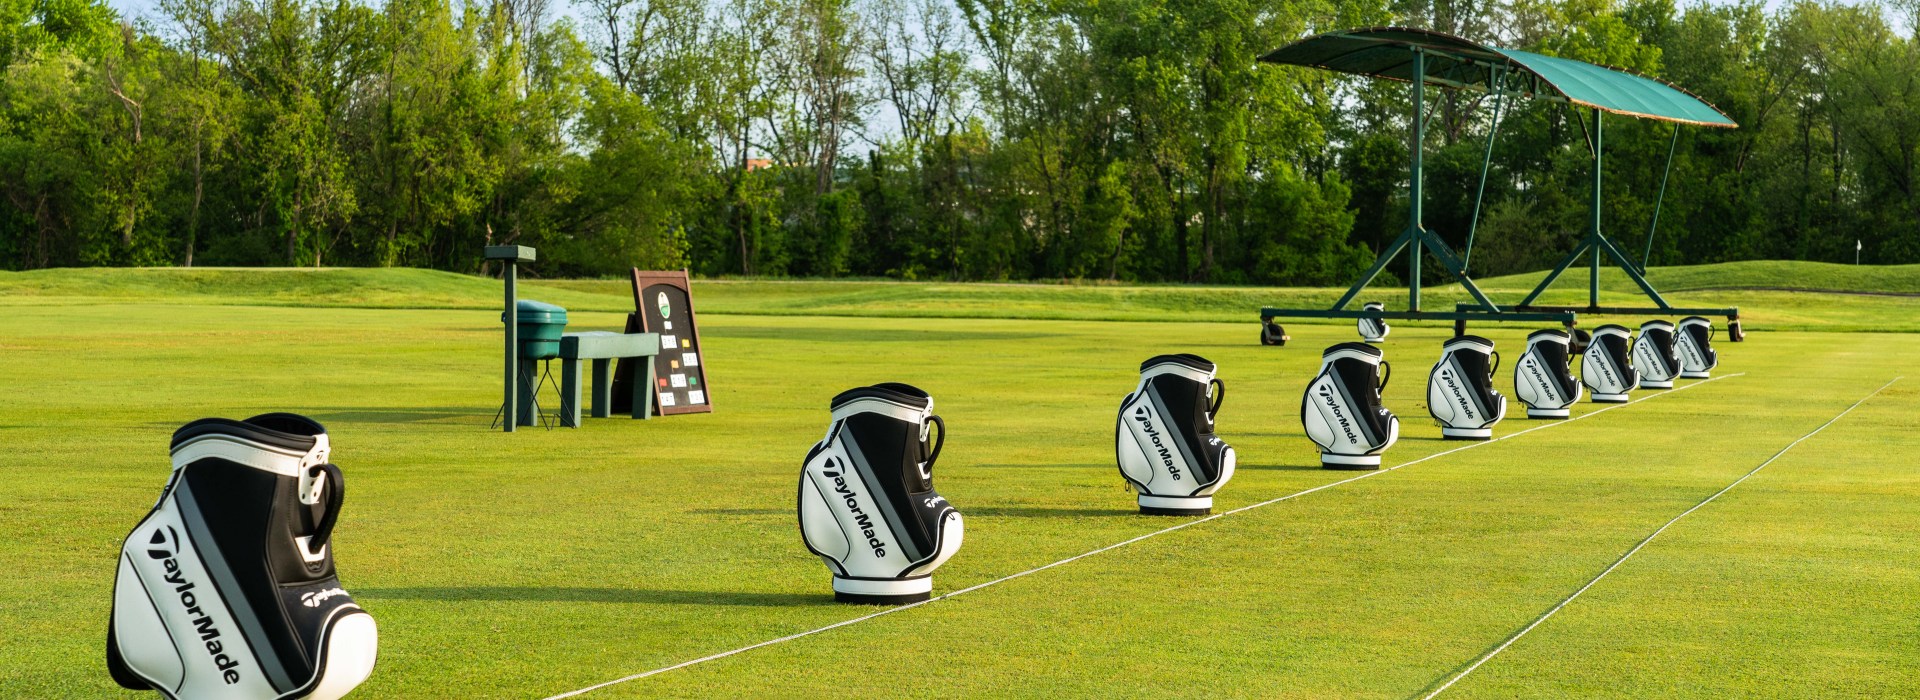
(603, 348)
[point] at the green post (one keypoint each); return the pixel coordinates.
(1593, 228)
(1414, 223)
(510, 257)
(1486, 163)
(1647, 255)
(511, 390)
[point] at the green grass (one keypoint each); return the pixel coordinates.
(1761, 289)
(528, 564)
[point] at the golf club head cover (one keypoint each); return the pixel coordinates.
(1695, 344)
(1607, 368)
(867, 504)
(1341, 410)
(1543, 378)
(227, 589)
(1373, 330)
(1654, 356)
(1460, 390)
(1164, 438)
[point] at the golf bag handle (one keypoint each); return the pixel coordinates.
(1386, 372)
(1495, 369)
(336, 495)
(1219, 395)
(937, 442)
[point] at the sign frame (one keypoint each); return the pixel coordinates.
(642, 279)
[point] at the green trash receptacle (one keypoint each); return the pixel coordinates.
(540, 324)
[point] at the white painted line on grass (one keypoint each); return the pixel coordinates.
(1643, 543)
(1116, 545)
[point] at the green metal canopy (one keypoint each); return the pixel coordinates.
(1452, 61)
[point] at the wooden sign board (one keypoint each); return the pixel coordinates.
(663, 303)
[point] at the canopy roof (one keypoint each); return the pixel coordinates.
(1387, 52)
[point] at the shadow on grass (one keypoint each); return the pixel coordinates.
(1278, 467)
(743, 511)
(571, 594)
(1046, 512)
(355, 414)
(865, 335)
(1048, 465)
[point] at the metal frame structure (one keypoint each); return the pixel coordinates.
(1500, 73)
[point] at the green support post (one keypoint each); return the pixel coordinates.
(510, 257)
(1486, 163)
(1415, 224)
(1647, 255)
(1593, 214)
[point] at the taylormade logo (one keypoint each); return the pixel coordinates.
(1459, 397)
(313, 599)
(1540, 380)
(1606, 369)
(1326, 397)
(164, 546)
(860, 517)
(1142, 416)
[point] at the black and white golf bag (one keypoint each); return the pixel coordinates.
(1694, 342)
(227, 588)
(1654, 357)
(1460, 389)
(1164, 438)
(1543, 378)
(1607, 368)
(1341, 410)
(1373, 330)
(867, 504)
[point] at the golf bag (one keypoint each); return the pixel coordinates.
(1460, 389)
(1543, 378)
(1341, 410)
(1164, 437)
(867, 504)
(1272, 333)
(1654, 357)
(227, 588)
(1607, 368)
(1373, 330)
(1695, 345)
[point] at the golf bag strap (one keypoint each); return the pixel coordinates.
(1219, 396)
(1386, 372)
(1495, 369)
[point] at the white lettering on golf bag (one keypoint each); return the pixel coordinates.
(1460, 392)
(1164, 440)
(1654, 357)
(219, 594)
(867, 506)
(1541, 378)
(1606, 369)
(1695, 343)
(1341, 411)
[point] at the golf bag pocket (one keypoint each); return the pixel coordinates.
(1694, 343)
(1607, 369)
(227, 588)
(1341, 410)
(1543, 379)
(1654, 357)
(868, 508)
(1460, 392)
(1164, 439)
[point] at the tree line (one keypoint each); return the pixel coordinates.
(1132, 140)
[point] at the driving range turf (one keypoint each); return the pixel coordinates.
(536, 563)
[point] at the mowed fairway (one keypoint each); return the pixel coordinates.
(537, 563)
